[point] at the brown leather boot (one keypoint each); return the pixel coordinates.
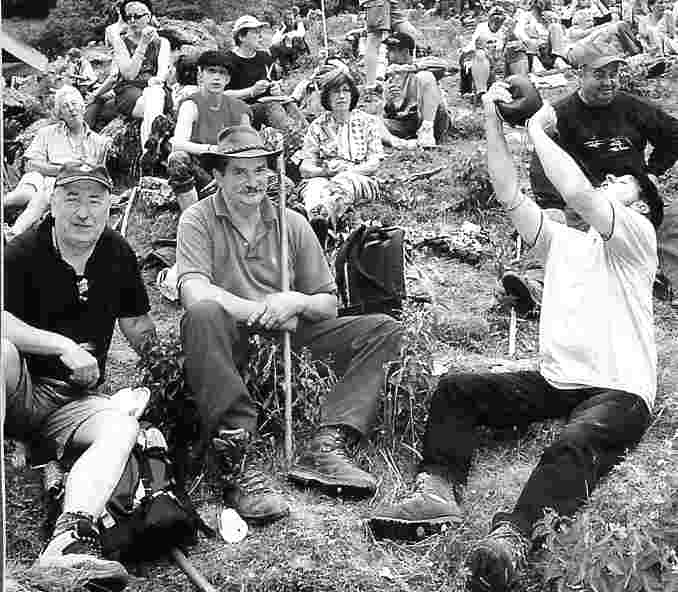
(326, 463)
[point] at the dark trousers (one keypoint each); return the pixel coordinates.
(602, 425)
(216, 348)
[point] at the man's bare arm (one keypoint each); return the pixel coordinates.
(566, 175)
(524, 213)
(31, 340)
(138, 331)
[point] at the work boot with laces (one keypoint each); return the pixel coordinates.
(249, 491)
(75, 545)
(326, 463)
(498, 558)
(429, 508)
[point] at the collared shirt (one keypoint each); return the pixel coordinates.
(356, 141)
(44, 291)
(56, 145)
(210, 246)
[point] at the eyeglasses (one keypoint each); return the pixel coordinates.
(137, 16)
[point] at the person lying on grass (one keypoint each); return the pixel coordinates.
(65, 285)
(597, 349)
(229, 265)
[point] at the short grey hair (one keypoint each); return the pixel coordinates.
(65, 93)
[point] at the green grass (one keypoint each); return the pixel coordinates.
(324, 544)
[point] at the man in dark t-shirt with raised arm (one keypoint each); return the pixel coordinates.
(65, 285)
(606, 131)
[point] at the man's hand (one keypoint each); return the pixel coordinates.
(260, 87)
(545, 118)
(277, 310)
(391, 91)
(82, 364)
(499, 91)
(275, 89)
(154, 81)
(148, 35)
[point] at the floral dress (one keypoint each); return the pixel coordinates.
(351, 143)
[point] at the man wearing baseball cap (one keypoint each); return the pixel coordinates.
(65, 285)
(229, 262)
(607, 131)
(413, 104)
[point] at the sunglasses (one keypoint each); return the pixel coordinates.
(137, 16)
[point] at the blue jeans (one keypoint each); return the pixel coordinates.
(602, 425)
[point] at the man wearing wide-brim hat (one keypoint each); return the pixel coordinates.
(607, 131)
(228, 257)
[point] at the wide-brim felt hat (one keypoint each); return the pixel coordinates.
(243, 141)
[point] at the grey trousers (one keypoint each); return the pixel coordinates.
(216, 348)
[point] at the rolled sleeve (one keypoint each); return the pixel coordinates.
(194, 247)
(311, 147)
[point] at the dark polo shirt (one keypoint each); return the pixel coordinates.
(43, 290)
(209, 245)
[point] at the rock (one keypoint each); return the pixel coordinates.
(181, 33)
(123, 157)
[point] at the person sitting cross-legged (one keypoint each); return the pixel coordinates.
(341, 152)
(229, 262)
(65, 285)
(68, 140)
(597, 349)
(413, 103)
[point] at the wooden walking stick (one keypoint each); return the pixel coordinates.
(284, 286)
(196, 578)
(324, 19)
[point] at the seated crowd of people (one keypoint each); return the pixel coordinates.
(597, 230)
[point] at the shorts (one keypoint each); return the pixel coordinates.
(383, 15)
(126, 98)
(38, 182)
(47, 415)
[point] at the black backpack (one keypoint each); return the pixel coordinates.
(148, 513)
(370, 271)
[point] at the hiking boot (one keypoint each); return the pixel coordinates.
(78, 548)
(254, 497)
(428, 509)
(425, 137)
(326, 463)
(248, 491)
(527, 293)
(496, 560)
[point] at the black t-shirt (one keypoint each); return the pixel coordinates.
(610, 139)
(246, 71)
(43, 290)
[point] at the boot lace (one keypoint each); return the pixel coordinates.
(253, 481)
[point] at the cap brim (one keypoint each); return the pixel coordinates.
(251, 153)
(605, 61)
(69, 180)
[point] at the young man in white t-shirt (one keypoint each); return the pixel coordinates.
(597, 348)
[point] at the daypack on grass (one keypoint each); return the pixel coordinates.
(370, 271)
(148, 513)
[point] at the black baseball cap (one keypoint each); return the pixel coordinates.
(81, 171)
(400, 41)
